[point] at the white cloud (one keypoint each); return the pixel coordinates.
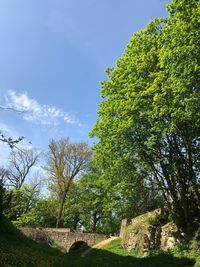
(35, 112)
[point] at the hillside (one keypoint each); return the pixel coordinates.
(16, 250)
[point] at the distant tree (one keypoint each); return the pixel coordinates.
(108, 197)
(21, 162)
(11, 143)
(65, 161)
(46, 211)
(72, 208)
(1, 197)
(92, 199)
(84, 202)
(41, 214)
(19, 202)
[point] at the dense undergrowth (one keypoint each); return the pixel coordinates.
(16, 250)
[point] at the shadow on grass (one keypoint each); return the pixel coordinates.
(41, 256)
(103, 258)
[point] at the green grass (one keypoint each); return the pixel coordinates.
(16, 250)
(114, 255)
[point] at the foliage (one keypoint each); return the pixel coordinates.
(1, 198)
(148, 121)
(11, 143)
(72, 207)
(18, 202)
(84, 205)
(65, 161)
(46, 211)
(98, 203)
(92, 199)
(42, 214)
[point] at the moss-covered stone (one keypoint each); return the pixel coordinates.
(150, 231)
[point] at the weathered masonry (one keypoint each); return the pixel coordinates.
(63, 237)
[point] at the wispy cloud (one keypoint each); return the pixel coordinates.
(35, 112)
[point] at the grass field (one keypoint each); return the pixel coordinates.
(16, 250)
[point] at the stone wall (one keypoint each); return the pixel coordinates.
(124, 225)
(63, 238)
(149, 231)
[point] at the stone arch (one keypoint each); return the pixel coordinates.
(78, 245)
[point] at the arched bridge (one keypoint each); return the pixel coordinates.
(63, 237)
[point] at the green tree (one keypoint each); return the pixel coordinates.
(3, 174)
(72, 207)
(65, 161)
(105, 198)
(11, 143)
(150, 115)
(18, 202)
(1, 197)
(92, 194)
(42, 214)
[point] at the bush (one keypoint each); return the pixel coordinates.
(1, 197)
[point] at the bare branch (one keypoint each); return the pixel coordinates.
(21, 161)
(12, 109)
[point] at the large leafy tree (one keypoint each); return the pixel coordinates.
(104, 199)
(150, 115)
(65, 161)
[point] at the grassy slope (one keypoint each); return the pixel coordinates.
(16, 250)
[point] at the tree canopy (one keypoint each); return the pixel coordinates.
(150, 113)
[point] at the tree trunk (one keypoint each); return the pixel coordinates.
(62, 201)
(75, 222)
(96, 218)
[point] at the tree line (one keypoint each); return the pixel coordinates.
(74, 193)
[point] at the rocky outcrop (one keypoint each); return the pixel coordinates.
(149, 231)
(171, 235)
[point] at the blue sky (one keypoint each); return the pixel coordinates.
(53, 57)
